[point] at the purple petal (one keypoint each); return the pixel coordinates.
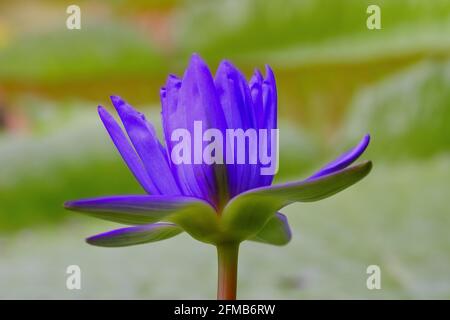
(133, 209)
(126, 150)
(135, 235)
(154, 157)
(247, 213)
(169, 102)
(315, 189)
(256, 84)
(269, 121)
(195, 100)
(235, 97)
(237, 104)
(344, 160)
(270, 99)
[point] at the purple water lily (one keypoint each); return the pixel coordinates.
(221, 204)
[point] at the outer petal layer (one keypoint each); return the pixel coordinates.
(127, 152)
(136, 209)
(344, 159)
(154, 157)
(247, 213)
(135, 235)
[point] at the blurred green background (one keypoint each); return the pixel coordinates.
(336, 81)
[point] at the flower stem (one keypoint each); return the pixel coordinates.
(227, 255)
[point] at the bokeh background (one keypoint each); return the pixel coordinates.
(336, 81)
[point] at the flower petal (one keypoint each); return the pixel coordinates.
(169, 103)
(135, 235)
(269, 120)
(237, 105)
(344, 159)
(276, 231)
(247, 213)
(255, 84)
(195, 100)
(135, 209)
(235, 97)
(126, 150)
(143, 136)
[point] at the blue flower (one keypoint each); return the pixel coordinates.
(221, 203)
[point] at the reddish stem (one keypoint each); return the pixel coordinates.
(227, 274)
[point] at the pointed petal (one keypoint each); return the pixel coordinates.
(235, 97)
(135, 209)
(237, 104)
(196, 100)
(143, 136)
(135, 235)
(169, 102)
(270, 99)
(255, 84)
(270, 115)
(247, 213)
(276, 231)
(126, 150)
(344, 159)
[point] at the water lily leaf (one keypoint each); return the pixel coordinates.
(302, 37)
(135, 235)
(246, 214)
(408, 112)
(107, 49)
(276, 231)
